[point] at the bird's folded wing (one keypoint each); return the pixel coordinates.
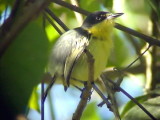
(78, 47)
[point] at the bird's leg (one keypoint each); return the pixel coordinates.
(111, 98)
(105, 100)
(82, 90)
(77, 80)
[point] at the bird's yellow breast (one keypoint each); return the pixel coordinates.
(100, 45)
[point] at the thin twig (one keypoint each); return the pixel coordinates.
(49, 87)
(102, 96)
(129, 96)
(72, 7)
(125, 69)
(111, 93)
(52, 23)
(87, 91)
(148, 39)
(82, 103)
(56, 19)
(20, 21)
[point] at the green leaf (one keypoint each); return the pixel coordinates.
(108, 3)
(131, 104)
(22, 67)
(91, 113)
(90, 5)
(152, 105)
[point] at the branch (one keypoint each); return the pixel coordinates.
(129, 96)
(49, 87)
(56, 19)
(134, 70)
(53, 25)
(105, 100)
(15, 24)
(150, 40)
(87, 91)
(90, 61)
(126, 68)
(111, 93)
(71, 7)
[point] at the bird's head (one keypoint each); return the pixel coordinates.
(100, 20)
(99, 17)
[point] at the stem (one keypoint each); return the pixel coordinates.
(87, 92)
(130, 97)
(125, 69)
(151, 41)
(52, 23)
(56, 19)
(49, 87)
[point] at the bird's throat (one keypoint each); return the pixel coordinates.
(102, 31)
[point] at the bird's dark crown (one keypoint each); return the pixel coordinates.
(94, 18)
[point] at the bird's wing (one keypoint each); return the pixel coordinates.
(78, 46)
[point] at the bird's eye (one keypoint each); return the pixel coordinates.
(98, 18)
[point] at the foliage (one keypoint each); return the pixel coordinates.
(152, 105)
(22, 66)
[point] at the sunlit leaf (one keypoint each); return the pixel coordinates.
(33, 102)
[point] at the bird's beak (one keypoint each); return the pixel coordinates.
(114, 15)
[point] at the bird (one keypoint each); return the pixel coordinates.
(68, 61)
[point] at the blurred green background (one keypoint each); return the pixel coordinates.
(23, 65)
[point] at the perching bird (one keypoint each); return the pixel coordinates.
(68, 60)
